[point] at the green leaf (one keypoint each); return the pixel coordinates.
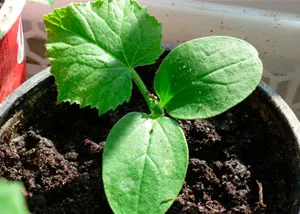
(144, 164)
(93, 47)
(49, 3)
(205, 77)
(11, 198)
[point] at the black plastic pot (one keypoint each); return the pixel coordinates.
(273, 109)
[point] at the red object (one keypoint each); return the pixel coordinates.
(12, 60)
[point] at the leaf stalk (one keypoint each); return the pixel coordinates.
(153, 104)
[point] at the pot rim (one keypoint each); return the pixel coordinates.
(281, 106)
(10, 11)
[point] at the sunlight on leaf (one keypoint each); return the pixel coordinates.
(92, 47)
(205, 77)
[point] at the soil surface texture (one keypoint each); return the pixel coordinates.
(236, 164)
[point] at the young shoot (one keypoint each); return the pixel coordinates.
(94, 48)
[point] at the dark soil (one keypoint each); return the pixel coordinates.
(1, 3)
(56, 151)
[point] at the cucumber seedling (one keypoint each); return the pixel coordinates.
(94, 48)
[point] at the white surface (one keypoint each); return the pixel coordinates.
(10, 11)
(289, 6)
(272, 26)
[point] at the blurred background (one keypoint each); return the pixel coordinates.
(272, 26)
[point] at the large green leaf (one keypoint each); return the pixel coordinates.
(144, 164)
(11, 198)
(205, 77)
(94, 46)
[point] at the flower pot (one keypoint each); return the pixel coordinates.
(256, 142)
(12, 61)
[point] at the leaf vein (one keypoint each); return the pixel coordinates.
(120, 40)
(225, 66)
(140, 42)
(93, 42)
(142, 178)
(153, 162)
(202, 79)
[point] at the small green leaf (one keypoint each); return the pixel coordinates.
(93, 46)
(144, 164)
(205, 77)
(50, 3)
(11, 198)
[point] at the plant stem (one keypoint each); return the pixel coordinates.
(152, 103)
(138, 81)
